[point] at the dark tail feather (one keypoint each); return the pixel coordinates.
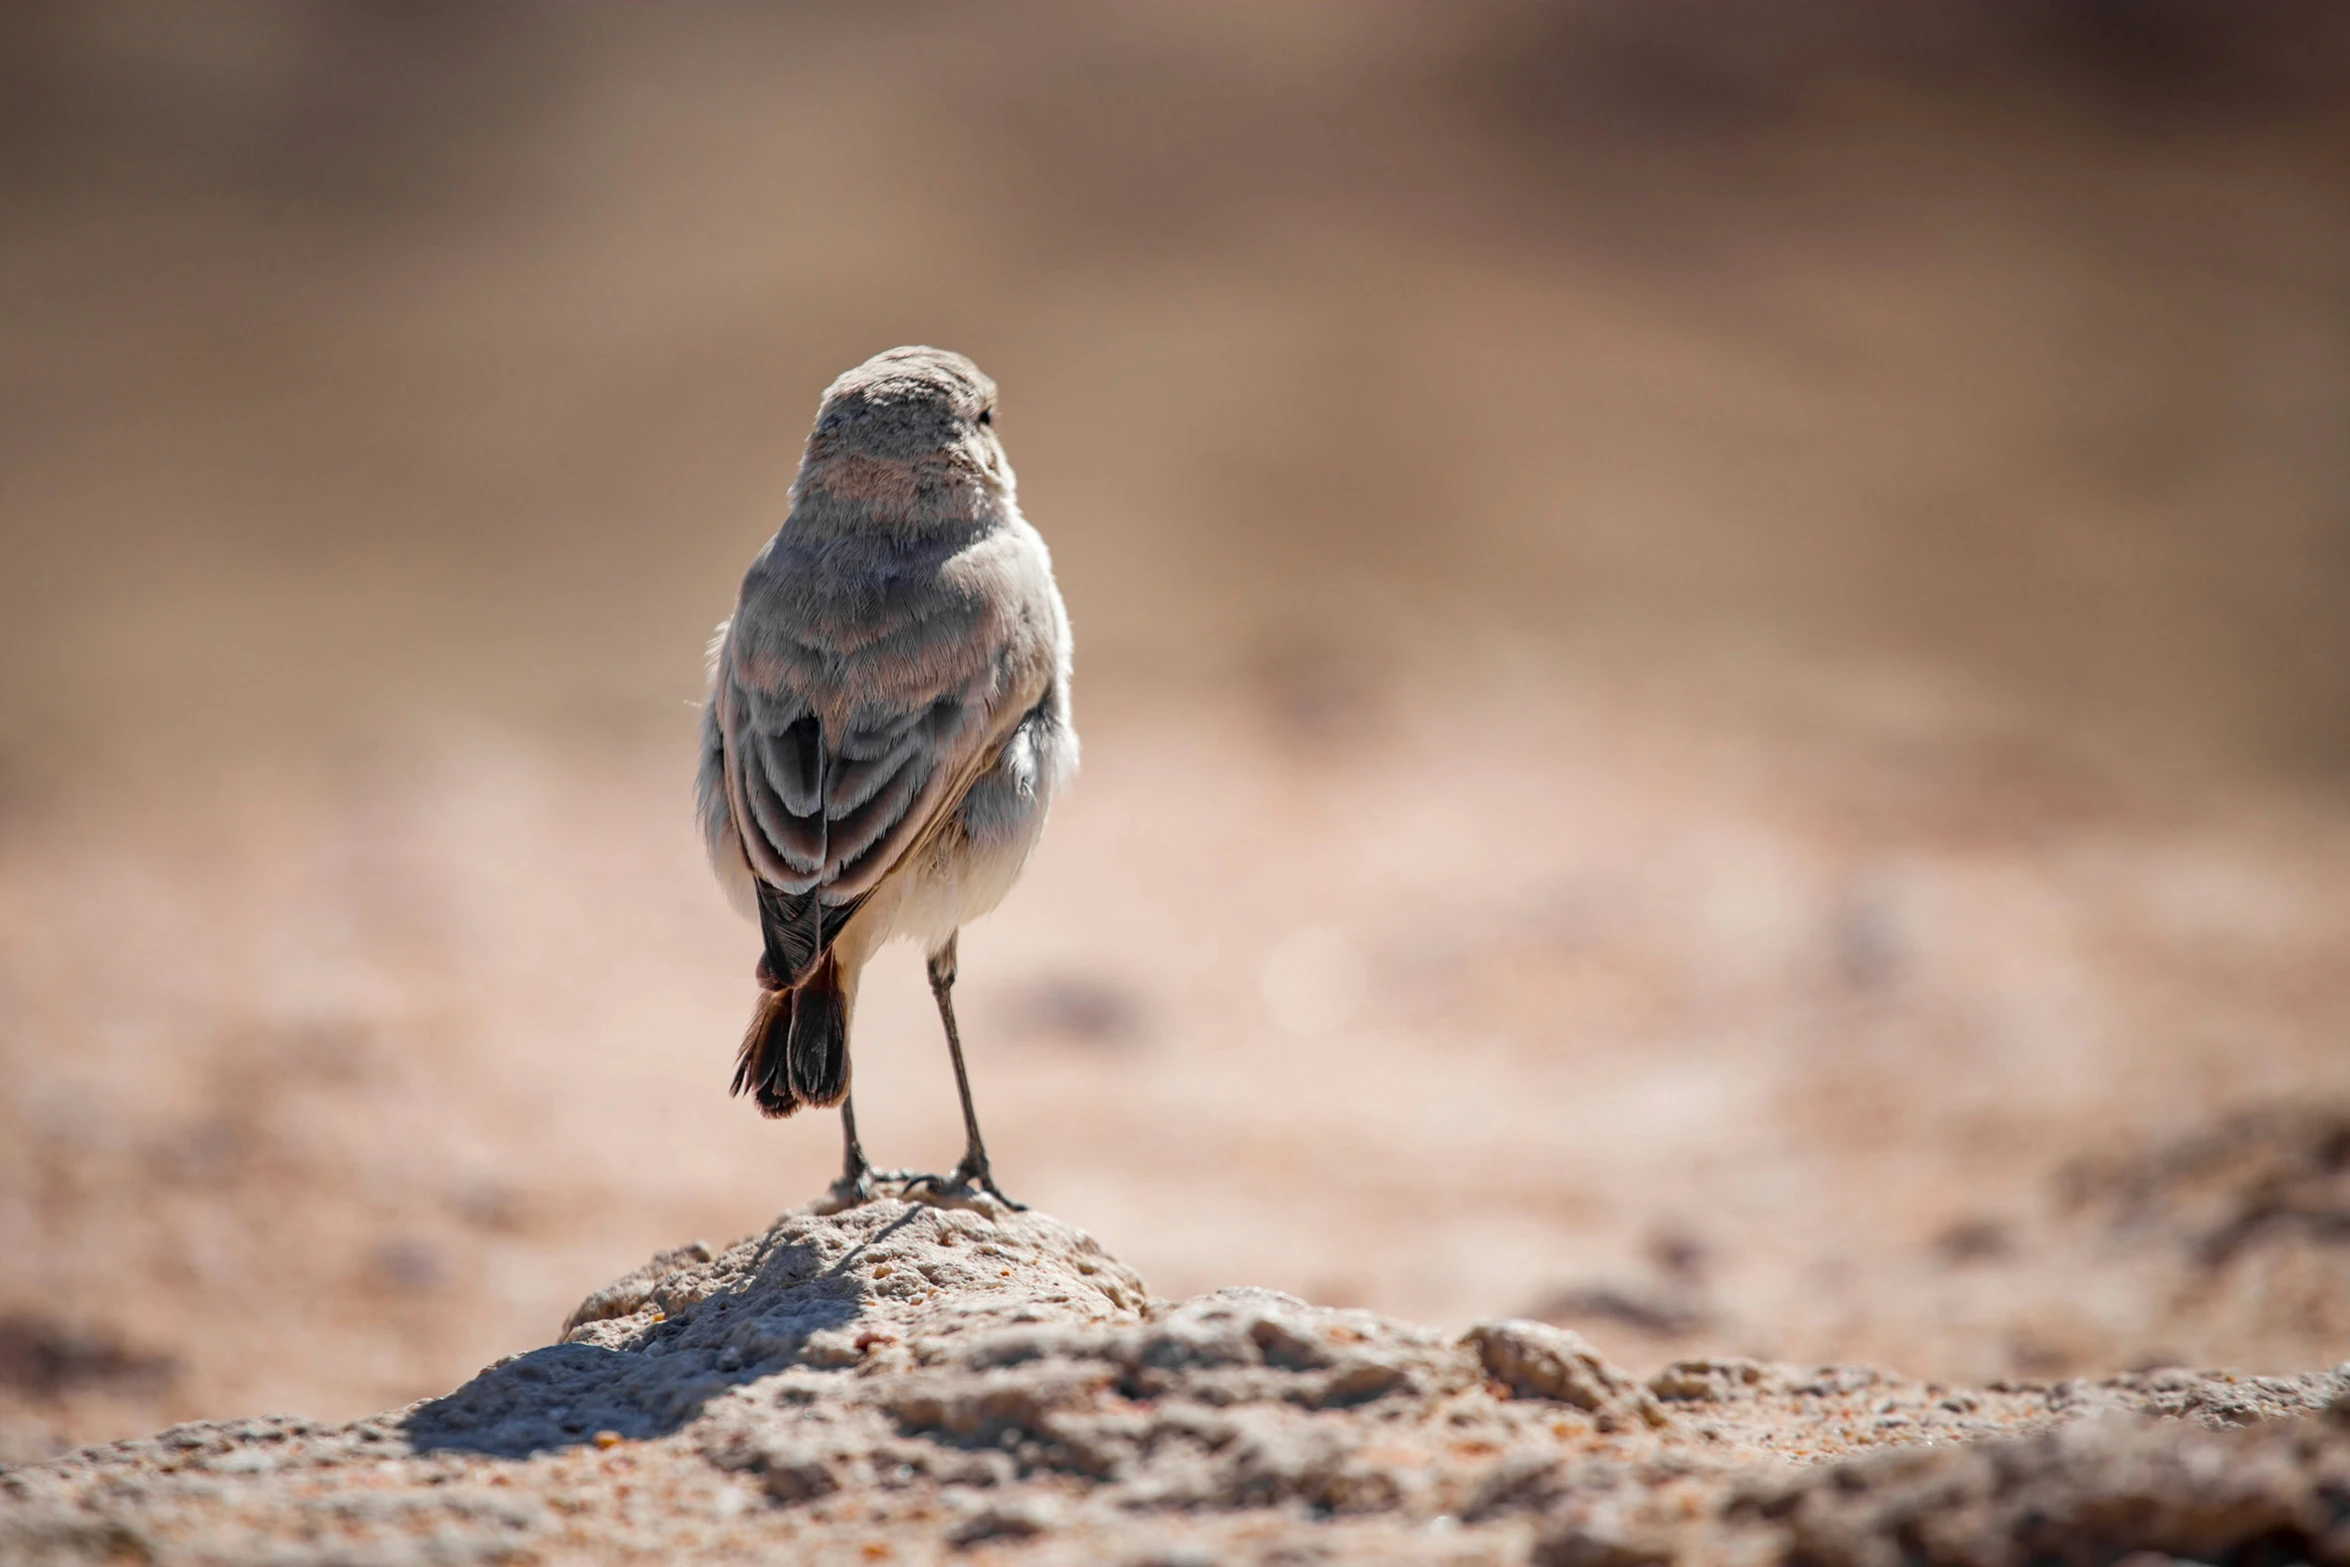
(759, 1065)
(819, 1055)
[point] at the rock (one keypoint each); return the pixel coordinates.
(1536, 1360)
(2098, 1490)
(1707, 1381)
(912, 1381)
(629, 1294)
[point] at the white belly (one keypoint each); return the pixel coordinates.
(966, 870)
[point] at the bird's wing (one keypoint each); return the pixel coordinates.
(828, 794)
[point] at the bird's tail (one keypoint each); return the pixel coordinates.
(758, 1066)
(796, 1051)
(817, 1060)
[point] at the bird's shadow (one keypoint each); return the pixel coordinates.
(565, 1395)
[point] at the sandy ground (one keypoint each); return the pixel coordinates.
(346, 1086)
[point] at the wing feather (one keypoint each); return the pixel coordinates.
(854, 833)
(832, 812)
(775, 776)
(856, 781)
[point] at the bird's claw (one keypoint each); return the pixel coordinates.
(850, 1191)
(861, 1185)
(969, 1179)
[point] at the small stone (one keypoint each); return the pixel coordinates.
(1536, 1360)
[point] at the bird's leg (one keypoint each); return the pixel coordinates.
(857, 1176)
(973, 1172)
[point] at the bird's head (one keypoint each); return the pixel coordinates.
(905, 441)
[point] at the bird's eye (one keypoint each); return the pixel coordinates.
(987, 416)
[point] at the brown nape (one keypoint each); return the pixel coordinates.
(853, 476)
(758, 1066)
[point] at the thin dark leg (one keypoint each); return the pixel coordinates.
(856, 1175)
(974, 1170)
(858, 1179)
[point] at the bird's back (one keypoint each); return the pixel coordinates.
(862, 684)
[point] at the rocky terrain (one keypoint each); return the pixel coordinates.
(906, 1381)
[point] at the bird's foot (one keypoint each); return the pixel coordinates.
(860, 1185)
(968, 1180)
(853, 1190)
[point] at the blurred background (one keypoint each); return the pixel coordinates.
(1714, 651)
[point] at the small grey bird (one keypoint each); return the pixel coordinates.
(888, 720)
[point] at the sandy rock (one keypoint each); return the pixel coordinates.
(913, 1382)
(2097, 1490)
(1536, 1360)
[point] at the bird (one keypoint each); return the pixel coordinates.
(887, 725)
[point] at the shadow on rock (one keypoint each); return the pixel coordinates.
(624, 1367)
(817, 1293)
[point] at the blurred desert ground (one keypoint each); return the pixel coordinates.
(1714, 656)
